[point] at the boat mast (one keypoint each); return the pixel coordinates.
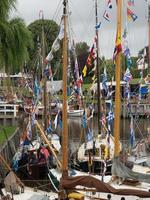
(43, 76)
(64, 111)
(118, 72)
(98, 71)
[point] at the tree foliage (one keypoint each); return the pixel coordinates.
(5, 8)
(82, 48)
(15, 38)
(50, 33)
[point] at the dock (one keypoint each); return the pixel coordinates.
(8, 113)
(142, 109)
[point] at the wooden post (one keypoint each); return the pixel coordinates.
(118, 72)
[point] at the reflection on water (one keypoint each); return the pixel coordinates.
(76, 133)
(141, 128)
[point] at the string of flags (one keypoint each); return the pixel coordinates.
(56, 43)
(130, 14)
(106, 14)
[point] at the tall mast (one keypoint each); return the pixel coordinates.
(149, 35)
(118, 72)
(43, 76)
(64, 111)
(98, 71)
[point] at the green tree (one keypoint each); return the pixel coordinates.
(82, 48)
(50, 33)
(15, 38)
(82, 51)
(5, 7)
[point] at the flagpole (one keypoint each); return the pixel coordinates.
(118, 72)
(44, 76)
(98, 72)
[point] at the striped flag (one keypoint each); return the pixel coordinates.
(84, 120)
(127, 76)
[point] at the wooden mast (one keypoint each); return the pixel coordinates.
(64, 111)
(98, 71)
(43, 76)
(118, 72)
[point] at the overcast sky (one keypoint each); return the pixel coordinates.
(83, 20)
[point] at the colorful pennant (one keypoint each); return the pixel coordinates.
(130, 2)
(131, 15)
(106, 16)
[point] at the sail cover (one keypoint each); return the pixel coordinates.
(120, 170)
(91, 182)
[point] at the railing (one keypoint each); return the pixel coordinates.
(142, 109)
(8, 110)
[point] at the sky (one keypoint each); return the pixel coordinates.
(82, 20)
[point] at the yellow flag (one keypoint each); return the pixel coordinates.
(84, 71)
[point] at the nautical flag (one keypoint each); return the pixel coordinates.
(127, 76)
(110, 117)
(61, 30)
(130, 2)
(141, 64)
(109, 4)
(84, 120)
(98, 26)
(56, 43)
(49, 57)
(90, 62)
(126, 50)
(131, 15)
(118, 46)
(79, 81)
(50, 128)
(84, 71)
(103, 120)
(91, 56)
(46, 71)
(89, 136)
(106, 16)
(104, 81)
(58, 120)
(132, 135)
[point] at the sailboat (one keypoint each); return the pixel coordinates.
(14, 188)
(96, 153)
(89, 186)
